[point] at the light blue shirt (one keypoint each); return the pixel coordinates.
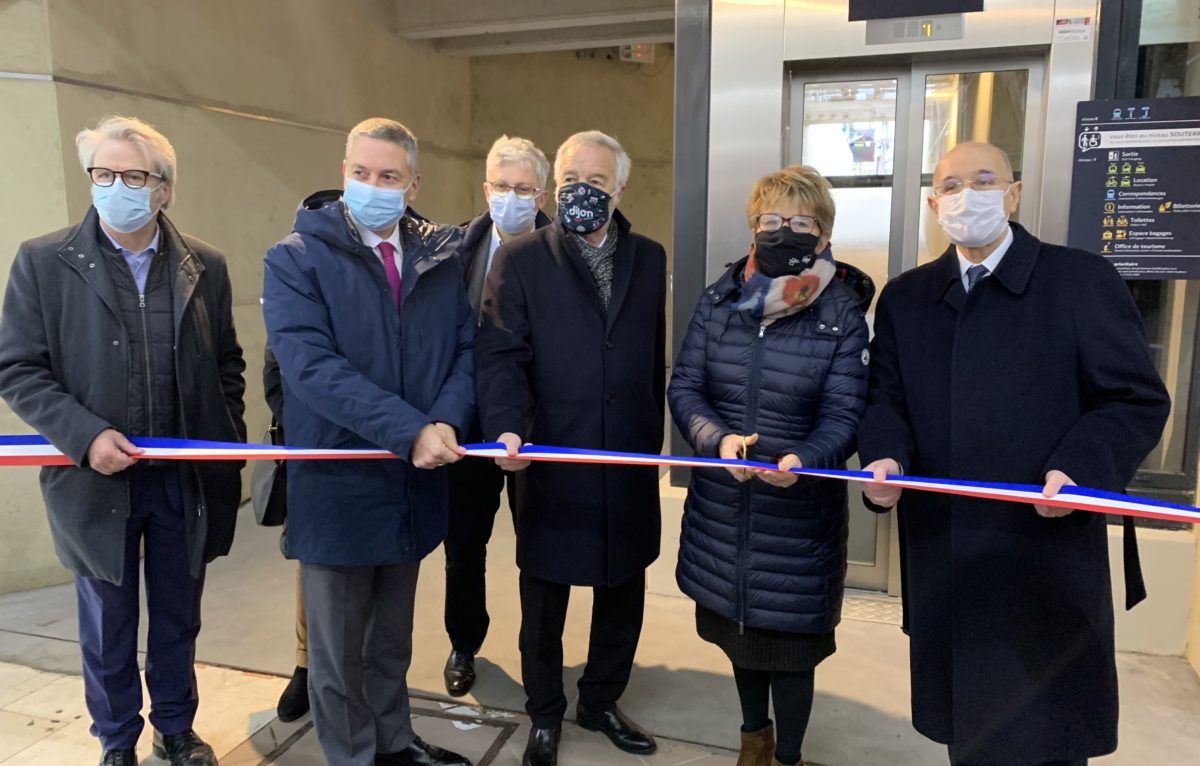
(139, 263)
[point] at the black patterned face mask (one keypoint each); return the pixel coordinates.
(583, 208)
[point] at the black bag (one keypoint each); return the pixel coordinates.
(268, 485)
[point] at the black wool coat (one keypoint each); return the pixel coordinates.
(555, 368)
(64, 370)
(1043, 366)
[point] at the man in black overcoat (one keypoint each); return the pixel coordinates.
(570, 352)
(1009, 360)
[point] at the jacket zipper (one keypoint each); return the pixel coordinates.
(149, 381)
(747, 488)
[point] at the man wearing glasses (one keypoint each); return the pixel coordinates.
(1009, 360)
(121, 326)
(515, 189)
(571, 352)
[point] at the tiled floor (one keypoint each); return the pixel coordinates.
(681, 688)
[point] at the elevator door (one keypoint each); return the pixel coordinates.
(876, 135)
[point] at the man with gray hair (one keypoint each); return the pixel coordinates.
(575, 313)
(367, 317)
(119, 327)
(514, 187)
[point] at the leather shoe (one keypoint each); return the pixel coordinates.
(421, 753)
(183, 749)
(459, 673)
(124, 757)
(624, 733)
(542, 749)
(293, 703)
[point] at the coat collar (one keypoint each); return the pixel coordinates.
(568, 249)
(1013, 273)
(83, 252)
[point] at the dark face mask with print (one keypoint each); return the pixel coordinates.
(583, 208)
(783, 252)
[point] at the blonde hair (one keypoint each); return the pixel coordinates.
(160, 155)
(508, 150)
(800, 184)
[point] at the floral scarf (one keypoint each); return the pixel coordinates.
(769, 300)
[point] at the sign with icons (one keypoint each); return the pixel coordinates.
(1134, 195)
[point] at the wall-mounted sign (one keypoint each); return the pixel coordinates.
(865, 10)
(1135, 198)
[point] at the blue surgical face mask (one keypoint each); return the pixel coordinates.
(122, 208)
(511, 214)
(372, 206)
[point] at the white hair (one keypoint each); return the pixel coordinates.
(595, 138)
(386, 130)
(508, 150)
(160, 155)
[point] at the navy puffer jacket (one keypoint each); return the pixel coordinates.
(763, 556)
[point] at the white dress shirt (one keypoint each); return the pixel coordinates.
(372, 240)
(991, 262)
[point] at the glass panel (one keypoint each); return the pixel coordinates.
(1169, 310)
(976, 106)
(1170, 42)
(849, 135)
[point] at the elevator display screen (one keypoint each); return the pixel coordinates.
(866, 10)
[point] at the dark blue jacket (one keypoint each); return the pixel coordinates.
(767, 557)
(357, 374)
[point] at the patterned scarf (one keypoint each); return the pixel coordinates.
(769, 300)
(600, 262)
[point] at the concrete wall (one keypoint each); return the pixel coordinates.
(256, 97)
(33, 201)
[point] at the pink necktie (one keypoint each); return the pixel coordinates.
(388, 251)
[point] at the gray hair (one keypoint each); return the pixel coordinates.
(596, 138)
(513, 150)
(160, 155)
(386, 130)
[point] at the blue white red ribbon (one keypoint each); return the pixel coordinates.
(35, 450)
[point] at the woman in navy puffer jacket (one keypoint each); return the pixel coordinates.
(774, 366)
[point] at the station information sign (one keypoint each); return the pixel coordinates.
(1135, 186)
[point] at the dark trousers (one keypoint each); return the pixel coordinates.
(475, 487)
(616, 628)
(108, 621)
(360, 622)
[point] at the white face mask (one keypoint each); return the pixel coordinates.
(973, 218)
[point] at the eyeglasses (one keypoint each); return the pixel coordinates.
(134, 179)
(523, 192)
(801, 224)
(981, 182)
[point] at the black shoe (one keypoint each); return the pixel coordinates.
(125, 757)
(542, 749)
(293, 703)
(624, 733)
(421, 753)
(184, 749)
(459, 673)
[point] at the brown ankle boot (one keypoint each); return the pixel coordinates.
(758, 747)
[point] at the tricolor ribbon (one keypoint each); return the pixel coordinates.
(35, 450)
